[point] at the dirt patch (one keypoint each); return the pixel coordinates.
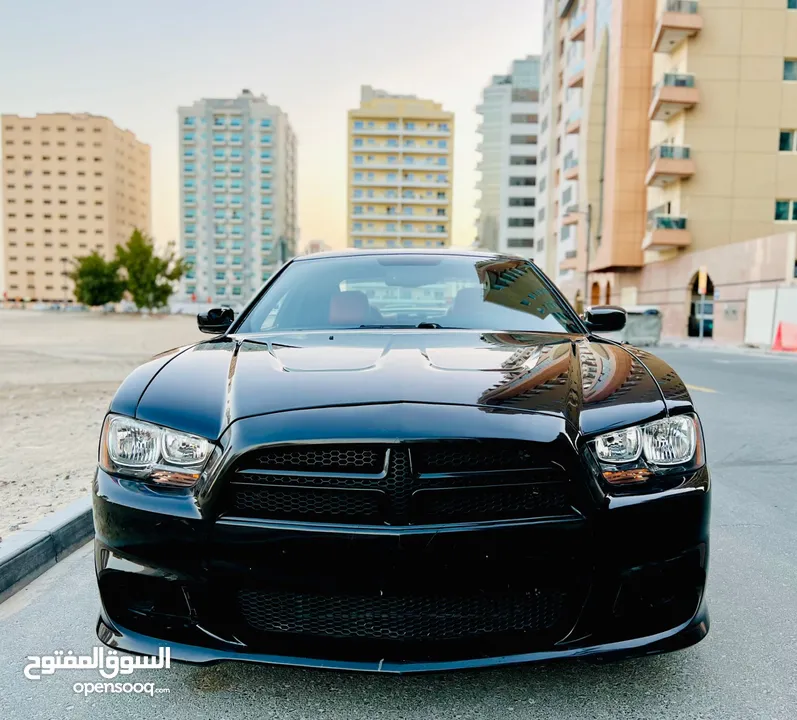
(58, 373)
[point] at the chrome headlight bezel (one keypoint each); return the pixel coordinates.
(639, 453)
(153, 453)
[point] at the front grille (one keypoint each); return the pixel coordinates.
(285, 503)
(401, 484)
(354, 458)
(408, 618)
(491, 503)
(458, 457)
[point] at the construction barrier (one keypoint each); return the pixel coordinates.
(785, 337)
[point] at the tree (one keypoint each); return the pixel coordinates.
(97, 281)
(149, 276)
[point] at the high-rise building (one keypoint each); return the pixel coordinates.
(508, 163)
(72, 184)
(669, 146)
(400, 172)
(237, 195)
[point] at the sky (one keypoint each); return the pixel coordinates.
(136, 62)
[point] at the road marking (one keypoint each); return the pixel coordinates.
(697, 388)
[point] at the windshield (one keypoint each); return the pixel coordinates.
(410, 291)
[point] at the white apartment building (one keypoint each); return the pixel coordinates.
(559, 208)
(237, 195)
(508, 164)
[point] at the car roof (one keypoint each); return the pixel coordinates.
(463, 252)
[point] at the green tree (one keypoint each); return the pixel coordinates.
(97, 281)
(150, 277)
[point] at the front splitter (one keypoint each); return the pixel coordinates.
(678, 638)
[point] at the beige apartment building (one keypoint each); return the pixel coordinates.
(671, 146)
(400, 172)
(71, 184)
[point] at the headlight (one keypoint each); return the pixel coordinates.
(634, 454)
(619, 447)
(671, 441)
(143, 450)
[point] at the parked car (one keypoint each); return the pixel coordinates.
(330, 482)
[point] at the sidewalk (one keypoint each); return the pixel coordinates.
(709, 344)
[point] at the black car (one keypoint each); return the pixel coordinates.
(403, 461)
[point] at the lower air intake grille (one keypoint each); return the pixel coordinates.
(402, 618)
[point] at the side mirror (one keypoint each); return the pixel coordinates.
(605, 318)
(215, 321)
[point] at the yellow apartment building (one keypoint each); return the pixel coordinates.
(671, 145)
(71, 184)
(400, 172)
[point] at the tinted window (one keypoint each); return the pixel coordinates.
(406, 290)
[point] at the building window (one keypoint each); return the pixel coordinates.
(522, 181)
(521, 202)
(791, 4)
(787, 137)
(782, 208)
(790, 70)
(521, 222)
(358, 124)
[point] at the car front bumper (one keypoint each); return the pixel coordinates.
(629, 580)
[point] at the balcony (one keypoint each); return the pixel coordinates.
(680, 20)
(571, 167)
(575, 74)
(573, 126)
(423, 150)
(578, 27)
(376, 131)
(669, 164)
(569, 262)
(675, 92)
(428, 132)
(666, 232)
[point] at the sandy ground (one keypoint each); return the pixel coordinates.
(58, 372)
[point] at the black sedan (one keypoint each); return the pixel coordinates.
(403, 461)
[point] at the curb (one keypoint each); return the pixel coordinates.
(26, 554)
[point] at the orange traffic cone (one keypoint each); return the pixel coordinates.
(785, 338)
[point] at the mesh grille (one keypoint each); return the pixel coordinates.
(355, 458)
(402, 618)
(290, 503)
(424, 483)
(447, 457)
(490, 503)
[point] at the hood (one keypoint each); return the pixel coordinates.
(591, 384)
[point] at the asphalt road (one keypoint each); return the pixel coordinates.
(745, 669)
